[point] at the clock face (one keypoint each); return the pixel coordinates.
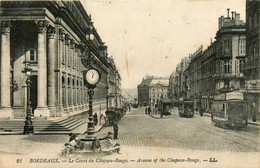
(92, 76)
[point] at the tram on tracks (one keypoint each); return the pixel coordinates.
(186, 108)
(229, 110)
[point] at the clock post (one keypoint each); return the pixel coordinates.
(91, 125)
(91, 79)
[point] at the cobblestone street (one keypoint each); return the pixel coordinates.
(137, 129)
(143, 136)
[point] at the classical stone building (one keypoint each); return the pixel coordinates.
(180, 78)
(54, 38)
(219, 67)
(194, 73)
(252, 65)
(208, 70)
(114, 85)
(152, 89)
(230, 53)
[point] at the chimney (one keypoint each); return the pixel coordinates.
(237, 16)
(228, 12)
(232, 15)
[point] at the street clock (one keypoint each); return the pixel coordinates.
(91, 77)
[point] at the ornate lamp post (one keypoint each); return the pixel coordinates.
(28, 127)
(91, 77)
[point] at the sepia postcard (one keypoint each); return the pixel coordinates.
(130, 83)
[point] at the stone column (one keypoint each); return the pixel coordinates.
(42, 109)
(59, 67)
(50, 72)
(82, 93)
(6, 110)
(67, 41)
(77, 95)
(71, 55)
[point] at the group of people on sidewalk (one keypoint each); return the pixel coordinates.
(148, 110)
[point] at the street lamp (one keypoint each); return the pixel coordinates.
(90, 36)
(91, 78)
(161, 106)
(28, 127)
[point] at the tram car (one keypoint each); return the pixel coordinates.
(229, 110)
(186, 108)
(165, 106)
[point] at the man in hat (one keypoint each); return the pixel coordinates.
(95, 118)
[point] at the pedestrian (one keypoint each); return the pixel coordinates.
(115, 127)
(71, 146)
(95, 119)
(145, 110)
(149, 110)
(72, 136)
(129, 107)
(254, 112)
(96, 145)
(201, 111)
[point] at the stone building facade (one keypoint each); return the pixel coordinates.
(252, 65)
(178, 81)
(208, 69)
(114, 86)
(52, 38)
(219, 67)
(152, 89)
(194, 73)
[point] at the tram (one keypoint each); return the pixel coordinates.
(186, 108)
(165, 105)
(229, 110)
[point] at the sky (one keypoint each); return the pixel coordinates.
(150, 37)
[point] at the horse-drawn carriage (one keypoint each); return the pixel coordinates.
(114, 115)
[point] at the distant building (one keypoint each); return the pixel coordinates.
(252, 65)
(152, 89)
(114, 85)
(194, 72)
(178, 80)
(208, 70)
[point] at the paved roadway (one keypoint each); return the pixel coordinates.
(137, 129)
(143, 137)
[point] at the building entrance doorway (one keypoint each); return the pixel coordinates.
(33, 92)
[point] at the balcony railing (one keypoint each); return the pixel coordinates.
(238, 75)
